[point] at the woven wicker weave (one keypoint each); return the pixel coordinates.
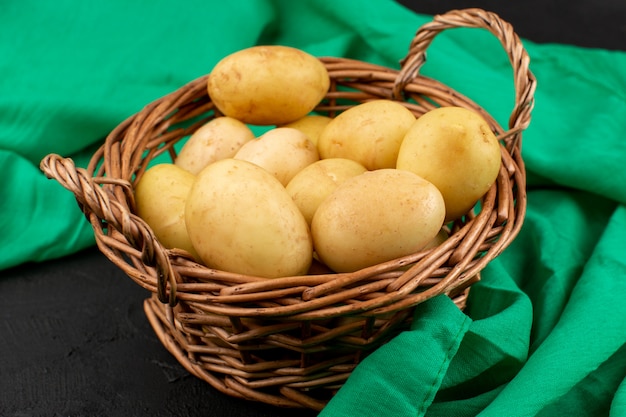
(293, 341)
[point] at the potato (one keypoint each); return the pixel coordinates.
(219, 138)
(376, 217)
(268, 85)
(369, 133)
(311, 125)
(315, 182)
(240, 219)
(454, 148)
(160, 196)
(282, 151)
(441, 237)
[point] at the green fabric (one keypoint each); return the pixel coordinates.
(545, 330)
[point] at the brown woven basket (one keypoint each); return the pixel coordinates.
(294, 341)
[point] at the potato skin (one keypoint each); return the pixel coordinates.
(160, 198)
(313, 184)
(240, 219)
(369, 133)
(268, 84)
(311, 125)
(217, 139)
(282, 151)
(376, 217)
(455, 149)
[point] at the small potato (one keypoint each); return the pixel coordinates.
(219, 138)
(455, 149)
(315, 182)
(240, 219)
(311, 125)
(376, 217)
(369, 133)
(160, 197)
(268, 85)
(282, 151)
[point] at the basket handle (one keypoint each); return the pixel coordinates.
(524, 80)
(94, 199)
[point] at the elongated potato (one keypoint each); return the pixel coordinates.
(369, 133)
(268, 84)
(240, 219)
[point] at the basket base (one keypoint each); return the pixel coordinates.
(237, 371)
(304, 392)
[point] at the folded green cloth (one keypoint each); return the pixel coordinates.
(544, 332)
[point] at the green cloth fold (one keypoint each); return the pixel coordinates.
(545, 329)
(399, 384)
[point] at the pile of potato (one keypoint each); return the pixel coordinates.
(373, 184)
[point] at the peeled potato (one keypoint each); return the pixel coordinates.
(314, 183)
(311, 125)
(160, 197)
(268, 85)
(282, 151)
(376, 217)
(455, 149)
(240, 219)
(369, 133)
(217, 139)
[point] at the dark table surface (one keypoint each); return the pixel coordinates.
(75, 341)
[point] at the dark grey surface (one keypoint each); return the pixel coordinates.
(75, 342)
(74, 338)
(593, 24)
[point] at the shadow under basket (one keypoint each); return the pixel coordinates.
(294, 341)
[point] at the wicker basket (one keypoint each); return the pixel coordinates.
(293, 341)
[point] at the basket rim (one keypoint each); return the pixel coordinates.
(105, 182)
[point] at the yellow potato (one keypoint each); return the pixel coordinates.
(217, 139)
(454, 148)
(375, 217)
(311, 125)
(441, 237)
(314, 183)
(282, 151)
(369, 133)
(240, 219)
(268, 85)
(160, 197)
